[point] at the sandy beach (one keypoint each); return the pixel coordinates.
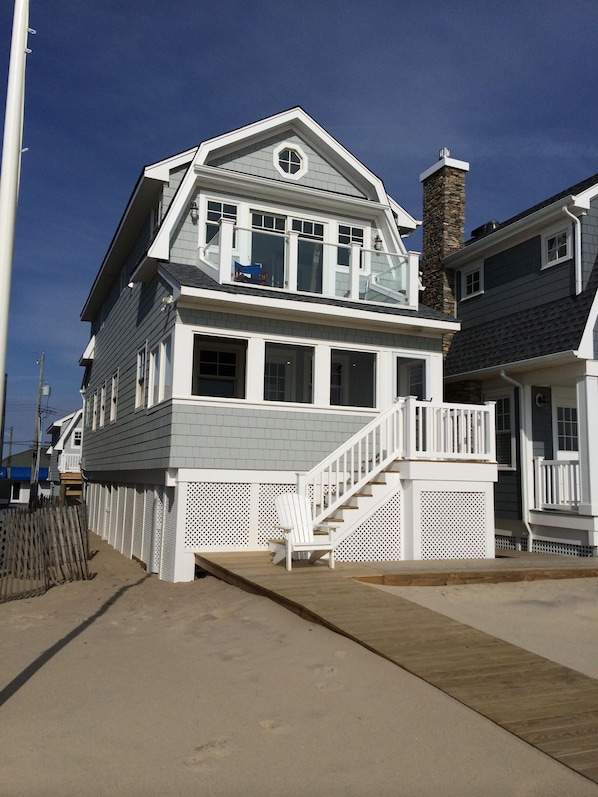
(127, 685)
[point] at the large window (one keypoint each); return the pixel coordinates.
(218, 367)
(352, 378)
(288, 373)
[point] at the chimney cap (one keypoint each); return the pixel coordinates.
(445, 160)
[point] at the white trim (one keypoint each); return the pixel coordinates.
(557, 229)
(451, 162)
(292, 147)
(286, 308)
(464, 273)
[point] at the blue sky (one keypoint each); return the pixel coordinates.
(508, 86)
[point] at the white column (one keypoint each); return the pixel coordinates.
(354, 263)
(226, 250)
(587, 418)
(292, 261)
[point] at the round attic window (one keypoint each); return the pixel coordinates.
(290, 161)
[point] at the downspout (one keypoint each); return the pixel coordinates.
(524, 468)
(577, 223)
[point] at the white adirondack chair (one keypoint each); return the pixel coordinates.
(294, 518)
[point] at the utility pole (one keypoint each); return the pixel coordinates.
(37, 437)
(11, 165)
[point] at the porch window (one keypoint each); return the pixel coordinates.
(219, 367)
(352, 378)
(567, 432)
(504, 432)
(288, 373)
(77, 438)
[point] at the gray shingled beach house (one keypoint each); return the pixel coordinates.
(256, 329)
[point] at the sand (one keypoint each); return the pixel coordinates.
(126, 685)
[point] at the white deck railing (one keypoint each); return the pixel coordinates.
(69, 463)
(410, 429)
(557, 484)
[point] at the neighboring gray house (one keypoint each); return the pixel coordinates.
(253, 325)
(65, 457)
(525, 293)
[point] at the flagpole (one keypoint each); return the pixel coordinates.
(11, 166)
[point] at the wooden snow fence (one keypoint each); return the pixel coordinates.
(42, 548)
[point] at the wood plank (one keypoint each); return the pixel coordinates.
(551, 707)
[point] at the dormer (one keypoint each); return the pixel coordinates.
(281, 205)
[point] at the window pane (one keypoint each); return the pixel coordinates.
(288, 373)
(218, 367)
(353, 378)
(567, 429)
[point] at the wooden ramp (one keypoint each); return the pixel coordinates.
(551, 707)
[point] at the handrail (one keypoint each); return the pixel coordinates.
(409, 429)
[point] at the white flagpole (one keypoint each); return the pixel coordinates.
(11, 166)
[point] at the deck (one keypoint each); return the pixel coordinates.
(549, 706)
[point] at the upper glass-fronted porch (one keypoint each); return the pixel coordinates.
(299, 259)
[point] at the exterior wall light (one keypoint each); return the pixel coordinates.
(194, 212)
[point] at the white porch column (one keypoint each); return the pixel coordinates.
(412, 278)
(354, 263)
(292, 260)
(225, 263)
(587, 403)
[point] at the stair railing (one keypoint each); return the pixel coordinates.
(408, 429)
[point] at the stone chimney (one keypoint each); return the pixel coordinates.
(443, 228)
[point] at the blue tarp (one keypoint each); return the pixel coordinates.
(23, 474)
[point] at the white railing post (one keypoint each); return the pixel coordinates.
(225, 262)
(489, 426)
(412, 279)
(410, 428)
(538, 491)
(292, 260)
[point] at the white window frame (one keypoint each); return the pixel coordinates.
(141, 377)
(77, 438)
(102, 420)
(113, 396)
(467, 272)
(302, 171)
(496, 396)
(160, 372)
(563, 398)
(553, 232)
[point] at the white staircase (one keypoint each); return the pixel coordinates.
(362, 474)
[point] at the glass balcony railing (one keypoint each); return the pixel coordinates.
(287, 261)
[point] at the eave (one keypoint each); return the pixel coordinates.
(516, 232)
(313, 312)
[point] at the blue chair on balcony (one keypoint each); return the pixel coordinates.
(253, 274)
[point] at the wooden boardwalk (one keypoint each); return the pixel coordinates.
(553, 708)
